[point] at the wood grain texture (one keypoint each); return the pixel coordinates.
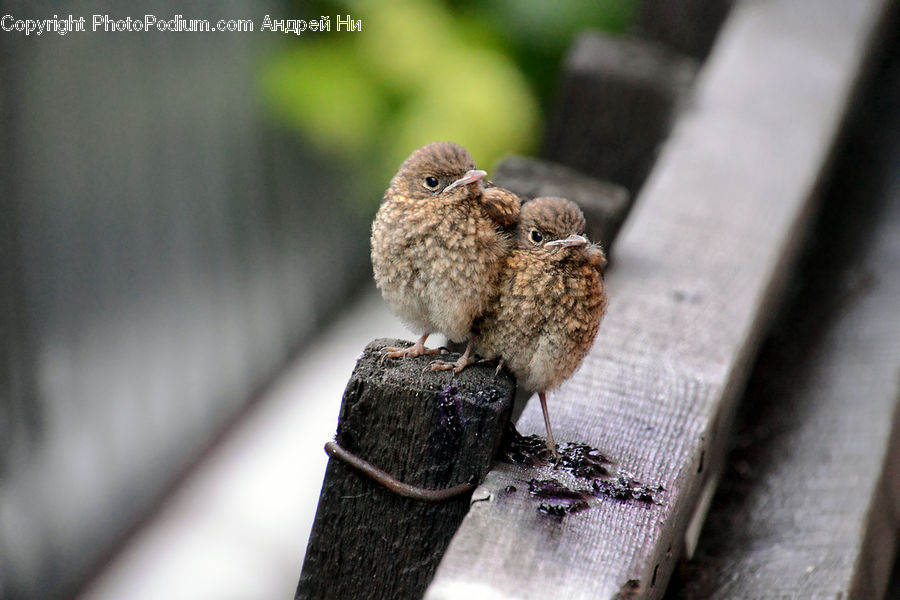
(809, 506)
(701, 263)
(428, 429)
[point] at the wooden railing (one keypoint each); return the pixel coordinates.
(698, 272)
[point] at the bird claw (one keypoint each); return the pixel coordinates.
(500, 364)
(440, 365)
(436, 365)
(549, 455)
(409, 352)
(555, 456)
(458, 366)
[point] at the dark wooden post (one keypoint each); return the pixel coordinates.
(429, 429)
(688, 26)
(616, 102)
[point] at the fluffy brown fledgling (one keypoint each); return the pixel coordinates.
(438, 245)
(550, 300)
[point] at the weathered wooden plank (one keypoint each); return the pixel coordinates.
(429, 429)
(809, 506)
(701, 262)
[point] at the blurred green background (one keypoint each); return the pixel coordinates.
(478, 73)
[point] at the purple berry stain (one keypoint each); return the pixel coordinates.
(576, 480)
(451, 411)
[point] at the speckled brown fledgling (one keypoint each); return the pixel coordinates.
(550, 300)
(438, 245)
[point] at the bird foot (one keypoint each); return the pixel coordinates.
(411, 352)
(555, 456)
(500, 364)
(487, 361)
(457, 366)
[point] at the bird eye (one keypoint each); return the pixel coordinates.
(536, 236)
(431, 182)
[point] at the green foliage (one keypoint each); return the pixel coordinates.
(470, 72)
(325, 93)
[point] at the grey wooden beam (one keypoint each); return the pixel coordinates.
(809, 506)
(701, 263)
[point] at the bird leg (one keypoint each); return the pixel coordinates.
(551, 444)
(461, 363)
(417, 349)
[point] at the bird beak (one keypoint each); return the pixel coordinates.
(573, 240)
(470, 177)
